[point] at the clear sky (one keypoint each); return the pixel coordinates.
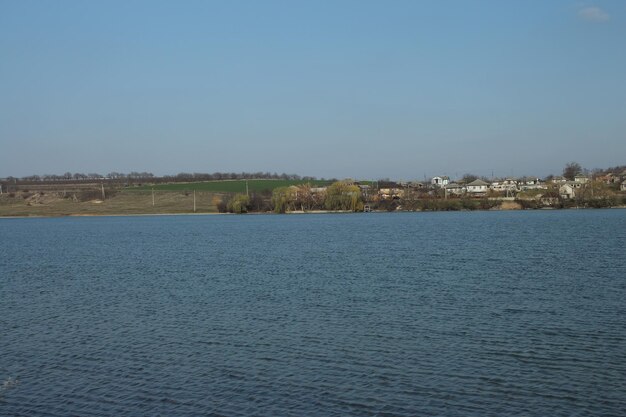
(363, 89)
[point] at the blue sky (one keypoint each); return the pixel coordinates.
(363, 89)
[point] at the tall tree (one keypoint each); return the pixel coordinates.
(571, 170)
(343, 196)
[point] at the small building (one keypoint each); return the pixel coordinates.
(581, 179)
(570, 188)
(531, 183)
(477, 187)
(508, 184)
(567, 191)
(609, 178)
(454, 188)
(390, 193)
(622, 186)
(440, 181)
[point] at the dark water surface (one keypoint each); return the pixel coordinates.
(483, 313)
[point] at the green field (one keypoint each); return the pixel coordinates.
(229, 186)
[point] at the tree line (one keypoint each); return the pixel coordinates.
(134, 177)
(339, 196)
(569, 171)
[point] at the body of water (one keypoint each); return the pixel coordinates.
(403, 314)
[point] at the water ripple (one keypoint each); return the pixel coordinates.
(456, 314)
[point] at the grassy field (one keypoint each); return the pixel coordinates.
(230, 186)
(168, 198)
(135, 202)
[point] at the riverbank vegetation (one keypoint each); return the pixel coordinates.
(270, 193)
(282, 200)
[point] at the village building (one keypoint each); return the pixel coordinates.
(622, 186)
(477, 187)
(440, 181)
(390, 193)
(511, 182)
(581, 179)
(609, 178)
(415, 184)
(508, 184)
(569, 189)
(531, 183)
(454, 188)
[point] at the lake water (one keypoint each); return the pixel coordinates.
(403, 314)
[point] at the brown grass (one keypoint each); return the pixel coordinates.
(60, 204)
(510, 205)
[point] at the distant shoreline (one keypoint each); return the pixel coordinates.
(38, 216)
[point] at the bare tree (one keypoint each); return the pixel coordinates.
(571, 170)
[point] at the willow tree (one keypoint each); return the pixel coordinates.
(343, 196)
(283, 199)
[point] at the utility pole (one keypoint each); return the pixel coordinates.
(247, 193)
(194, 201)
(152, 196)
(103, 196)
(592, 185)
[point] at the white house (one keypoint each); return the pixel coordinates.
(531, 183)
(440, 181)
(567, 191)
(454, 188)
(581, 179)
(623, 186)
(570, 188)
(477, 187)
(508, 184)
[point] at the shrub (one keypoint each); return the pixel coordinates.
(238, 204)
(222, 206)
(529, 204)
(486, 204)
(391, 205)
(600, 203)
(468, 204)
